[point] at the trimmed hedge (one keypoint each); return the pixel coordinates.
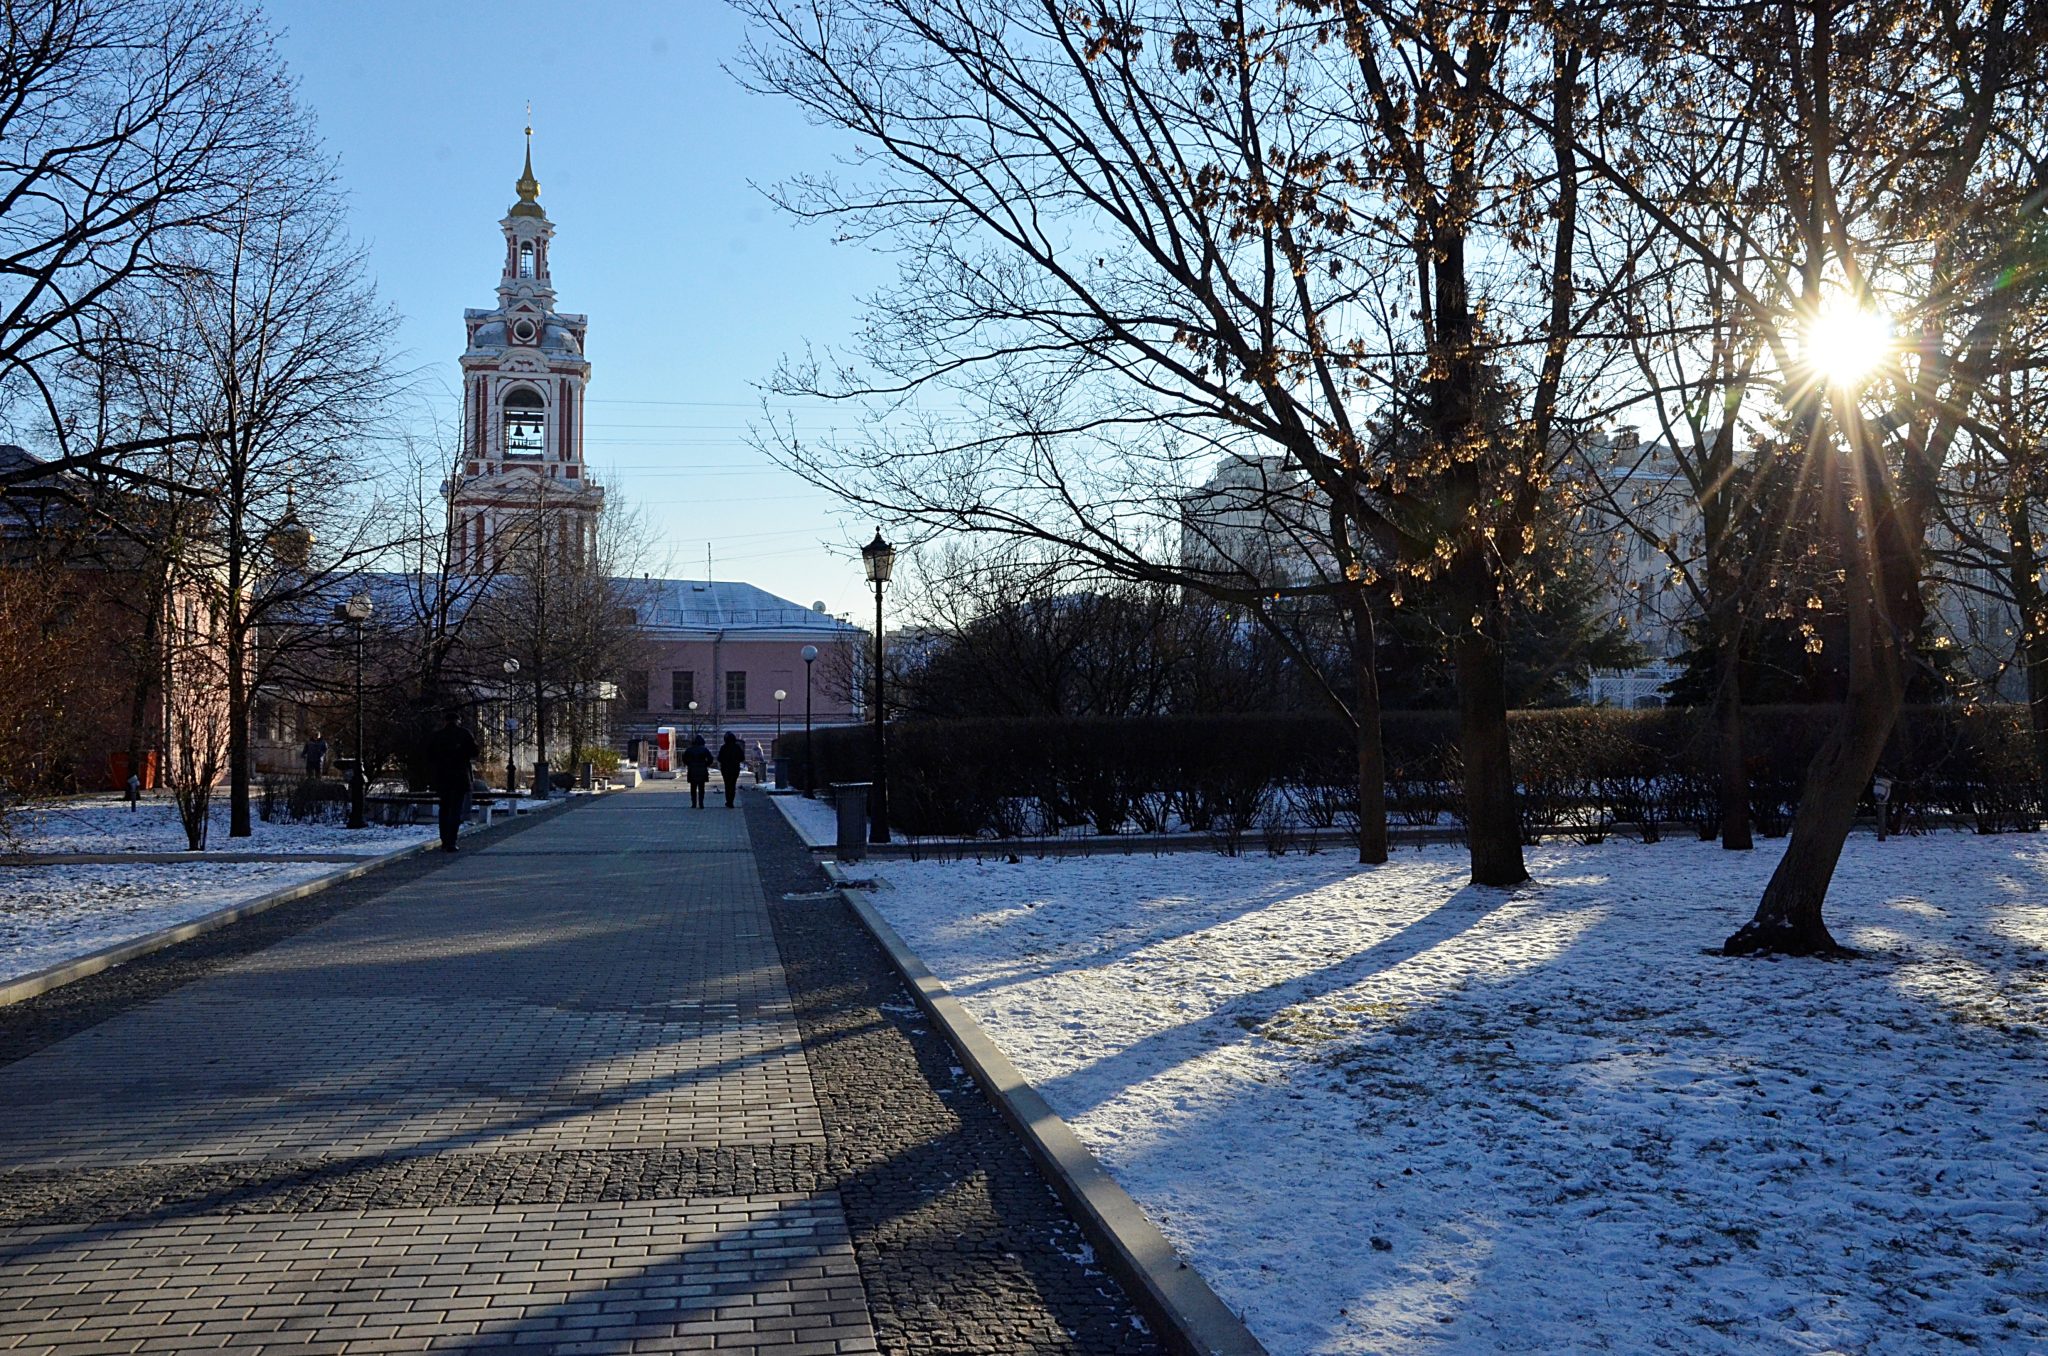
(1583, 770)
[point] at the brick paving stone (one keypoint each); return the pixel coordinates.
(963, 1247)
(640, 1265)
(551, 1096)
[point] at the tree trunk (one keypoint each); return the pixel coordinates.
(1372, 757)
(238, 743)
(2037, 705)
(146, 675)
(1729, 752)
(1883, 600)
(2023, 572)
(1493, 825)
(540, 728)
(1788, 920)
(236, 632)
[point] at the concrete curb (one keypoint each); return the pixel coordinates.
(57, 976)
(1173, 1296)
(173, 858)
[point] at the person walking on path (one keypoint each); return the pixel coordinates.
(697, 763)
(450, 751)
(315, 754)
(731, 754)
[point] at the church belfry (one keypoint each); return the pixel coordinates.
(523, 378)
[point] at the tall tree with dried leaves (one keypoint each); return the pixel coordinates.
(1142, 239)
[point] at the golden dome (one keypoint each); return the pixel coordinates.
(528, 186)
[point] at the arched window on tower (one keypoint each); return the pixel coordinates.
(526, 259)
(525, 423)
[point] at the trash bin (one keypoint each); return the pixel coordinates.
(851, 800)
(781, 763)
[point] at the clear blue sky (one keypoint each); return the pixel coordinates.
(646, 152)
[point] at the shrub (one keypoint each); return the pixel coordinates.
(1587, 771)
(604, 761)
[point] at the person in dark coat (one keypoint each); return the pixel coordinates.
(731, 754)
(697, 764)
(450, 751)
(315, 754)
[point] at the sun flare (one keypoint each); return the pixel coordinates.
(1846, 342)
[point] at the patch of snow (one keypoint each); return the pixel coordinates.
(815, 821)
(104, 824)
(52, 914)
(1383, 1110)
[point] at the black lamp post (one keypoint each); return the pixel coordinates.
(810, 657)
(880, 559)
(356, 611)
(511, 730)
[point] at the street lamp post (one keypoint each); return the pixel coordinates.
(511, 667)
(780, 696)
(880, 560)
(810, 657)
(356, 611)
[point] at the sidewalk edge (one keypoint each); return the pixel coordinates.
(135, 948)
(1186, 1312)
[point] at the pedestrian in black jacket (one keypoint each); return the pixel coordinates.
(730, 755)
(450, 751)
(697, 766)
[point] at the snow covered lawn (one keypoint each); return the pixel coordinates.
(52, 914)
(1386, 1111)
(107, 825)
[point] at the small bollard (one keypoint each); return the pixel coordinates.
(851, 800)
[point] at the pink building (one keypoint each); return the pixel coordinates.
(729, 648)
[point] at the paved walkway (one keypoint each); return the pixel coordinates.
(550, 1097)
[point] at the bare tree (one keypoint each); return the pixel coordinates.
(1990, 545)
(1696, 363)
(124, 127)
(267, 333)
(196, 711)
(1897, 168)
(1017, 634)
(1144, 237)
(562, 604)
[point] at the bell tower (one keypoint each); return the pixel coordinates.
(523, 378)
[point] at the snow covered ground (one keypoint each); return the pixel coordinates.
(51, 914)
(815, 821)
(1383, 1110)
(105, 824)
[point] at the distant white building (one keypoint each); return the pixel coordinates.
(1639, 513)
(1972, 605)
(1254, 519)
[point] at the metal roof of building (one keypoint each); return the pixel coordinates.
(723, 605)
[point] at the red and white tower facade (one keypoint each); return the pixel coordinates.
(523, 378)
